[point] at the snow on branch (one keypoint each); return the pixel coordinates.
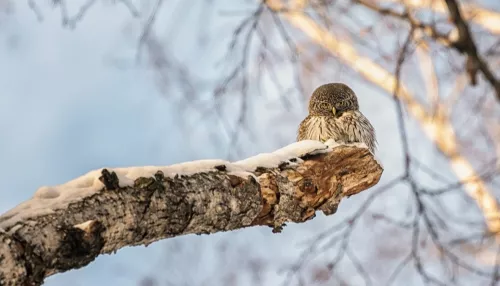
(68, 226)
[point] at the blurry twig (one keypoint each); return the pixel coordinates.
(489, 20)
(34, 7)
(71, 21)
(466, 45)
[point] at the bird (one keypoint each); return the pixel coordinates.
(334, 114)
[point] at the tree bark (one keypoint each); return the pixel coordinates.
(159, 207)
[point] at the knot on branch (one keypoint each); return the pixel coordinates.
(294, 194)
(110, 180)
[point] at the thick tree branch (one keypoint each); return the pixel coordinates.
(68, 226)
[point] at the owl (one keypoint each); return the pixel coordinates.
(334, 114)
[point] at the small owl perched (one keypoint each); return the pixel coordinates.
(334, 114)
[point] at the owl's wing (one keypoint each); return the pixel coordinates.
(302, 131)
(357, 128)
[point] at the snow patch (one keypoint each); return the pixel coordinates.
(242, 174)
(285, 154)
(331, 143)
(302, 148)
(48, 199)
(269, 160)
(46, 193)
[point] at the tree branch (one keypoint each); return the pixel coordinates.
(68, 226)
(466, 45)
(463, 43)
(487, 19)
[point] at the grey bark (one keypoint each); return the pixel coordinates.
(161, 207)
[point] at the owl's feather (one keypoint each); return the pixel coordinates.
(357, 128)
(350, 127)
(319, 128)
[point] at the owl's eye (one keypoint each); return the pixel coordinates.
(334, 111)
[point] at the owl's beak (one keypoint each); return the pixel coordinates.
(334, 111)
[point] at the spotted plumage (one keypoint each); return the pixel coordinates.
(334, 114)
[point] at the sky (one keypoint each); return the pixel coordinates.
(67, 108)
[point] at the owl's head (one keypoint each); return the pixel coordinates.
(332, 99)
